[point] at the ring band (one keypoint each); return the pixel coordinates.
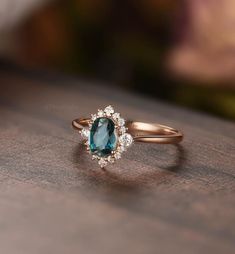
(142, 132)
(107, 135)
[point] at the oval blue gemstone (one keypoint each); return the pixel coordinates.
(103, 137)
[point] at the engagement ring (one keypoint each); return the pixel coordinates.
(107, 135)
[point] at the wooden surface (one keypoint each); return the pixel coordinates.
(157, 199)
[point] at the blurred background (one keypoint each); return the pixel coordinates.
(182, 52)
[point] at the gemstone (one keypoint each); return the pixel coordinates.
(126, 139)
(103, 137)
(111, 159)
(116, 116)
(117, 155)
(121, 121)
(93, 117)
(121, 149)
(109, 110)
(102, 163)
(100, 113)
(122, 129)
(85, 133)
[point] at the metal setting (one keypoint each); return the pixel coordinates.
(127, 132)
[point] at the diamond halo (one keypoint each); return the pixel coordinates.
(123, 139)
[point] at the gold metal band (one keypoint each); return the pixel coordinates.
(142, 132)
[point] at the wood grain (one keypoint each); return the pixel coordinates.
(157, 199)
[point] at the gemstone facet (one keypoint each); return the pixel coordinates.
(103, 137)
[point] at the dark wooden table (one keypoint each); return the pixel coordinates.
(157, 199)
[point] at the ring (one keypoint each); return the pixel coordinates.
(107, 135)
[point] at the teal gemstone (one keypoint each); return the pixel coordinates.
(103, 137)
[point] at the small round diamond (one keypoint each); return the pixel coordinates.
(100, 113)
(117, 155)
(111, 159)
(109, 110)
(94, 157)
(122, 129)
(85, 133)
(102, 163)
(121, 121)
(126, 139)
(116, 116)
(121, 149)
(93, 117)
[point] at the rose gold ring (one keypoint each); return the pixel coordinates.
(107, 135)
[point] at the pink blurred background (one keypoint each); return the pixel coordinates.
(182, 52)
